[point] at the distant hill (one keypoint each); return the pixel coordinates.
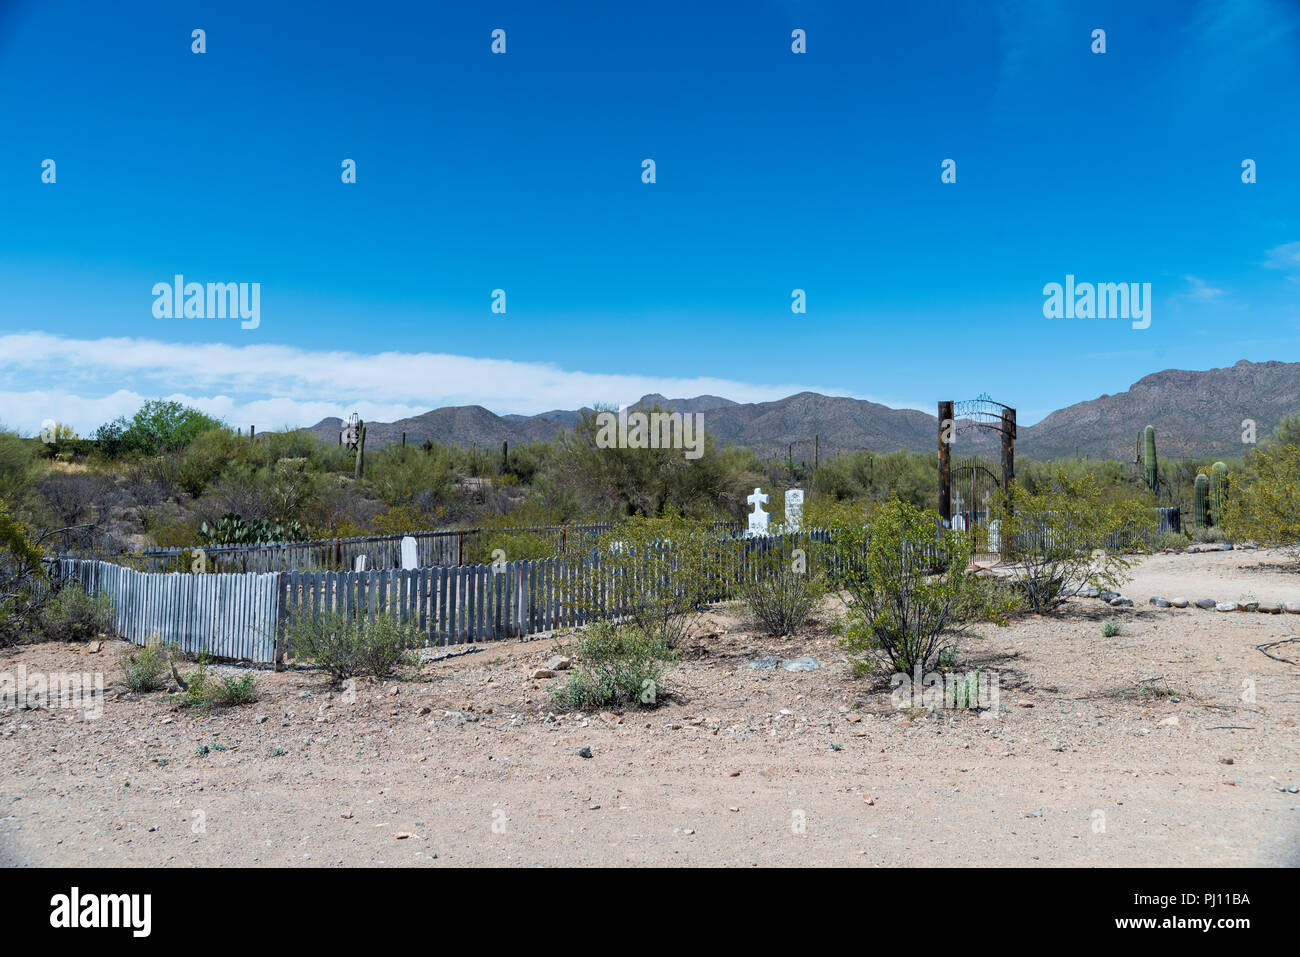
(1195, 414)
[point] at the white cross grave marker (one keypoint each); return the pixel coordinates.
(758, 518)
(409, 558)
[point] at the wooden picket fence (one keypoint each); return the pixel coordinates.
(226, 616)
(244, 616)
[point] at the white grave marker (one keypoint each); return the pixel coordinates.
(409, 558)
(758, 518)
(360, 564)
(793, 509)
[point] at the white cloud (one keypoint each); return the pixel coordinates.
(1285, 257)
(1201, 290)
(85, 382)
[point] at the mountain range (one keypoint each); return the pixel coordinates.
(1195, 413)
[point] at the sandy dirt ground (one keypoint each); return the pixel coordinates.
(1172, 743)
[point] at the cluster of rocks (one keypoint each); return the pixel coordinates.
(1264, 607)
(1116, 600)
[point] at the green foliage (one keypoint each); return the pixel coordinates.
(582, 477)
(662, 571)
(615, 666)
(145, 668)
(19, 469)
(230, 529)
(1176, 541)
(1265, 503)
(347, 646)
(1068, 535)
(402, 474)
(907, 585)
(1110, 628)
(783, 592)
(204, 692)
(22, 588)
(73, 614)
(1288, 431)
(159, 426)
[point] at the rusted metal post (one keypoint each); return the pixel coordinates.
(1008, 471)
(1008, 448)
(946, 425)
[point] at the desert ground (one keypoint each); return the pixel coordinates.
(1147, 748)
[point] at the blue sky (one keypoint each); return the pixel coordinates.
(522, 172)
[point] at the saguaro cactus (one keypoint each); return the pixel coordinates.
(505, 456)
(1149, 458)
(1218, 491)
(1202, 500)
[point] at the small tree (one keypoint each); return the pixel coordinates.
(1265, 503)
(1067, 535)
(907, 584)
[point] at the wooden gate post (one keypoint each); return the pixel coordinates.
(946, 427)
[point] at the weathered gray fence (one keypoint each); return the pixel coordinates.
(227, 616)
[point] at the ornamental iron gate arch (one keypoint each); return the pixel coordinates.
(958, 417)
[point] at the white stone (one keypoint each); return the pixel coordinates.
(409, 558)
(360, 564)
(995, 539)
(758, 518)
(793, 509)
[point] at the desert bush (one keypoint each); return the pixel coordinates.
(1067, 535)
(347, 646)
(1264, 506)
(406, 474)
(145, 669)
(22, 579)
(204, 459)
(660, 573)
(907, 584)
(783, 592)
(615, 666)
(1210, 535)
(204, 692)
(1110, 628)
(1173, 540)
(73, 614)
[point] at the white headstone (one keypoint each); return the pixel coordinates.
(995, 538)
(793, 509)
(758, 518)
(409, 558)
(360, 564)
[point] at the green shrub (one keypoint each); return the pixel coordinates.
(615, 666)
(1172, 540)
(1110, 629)
(145, 668)
(347, 646)
(1069, 533)
(73, 614)
(782, 592)
(204, 692)
(907, 584)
